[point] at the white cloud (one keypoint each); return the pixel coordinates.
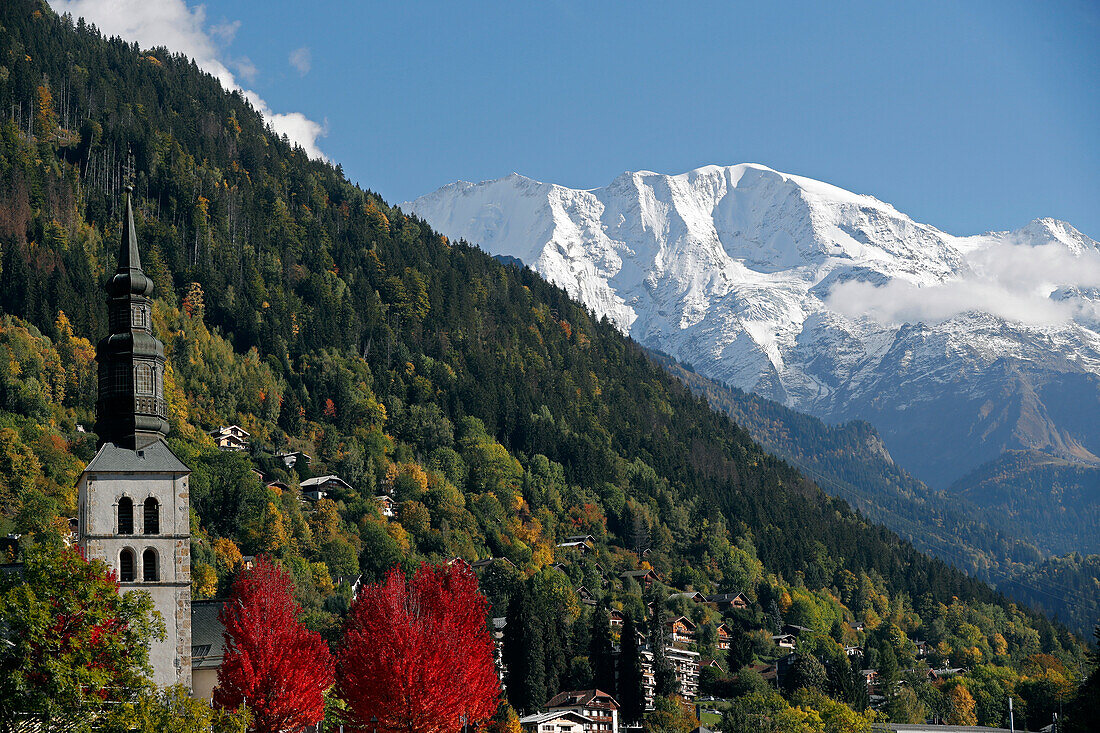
(182, 29)
(301, 60)
(1013, 281)
(245, 68)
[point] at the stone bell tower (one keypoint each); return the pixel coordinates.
(133, 496)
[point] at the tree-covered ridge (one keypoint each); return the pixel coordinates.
(500, 415)
(850, 462)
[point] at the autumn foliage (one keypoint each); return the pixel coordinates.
(273, 665)
(417, 654)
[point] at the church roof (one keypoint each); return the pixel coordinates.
(156, 457)
(207, 635)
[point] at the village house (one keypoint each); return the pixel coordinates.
(784, 641)
(491, 561)
(681, 630)
(231, 438)
(599, 709)
(554, 721)
(321, 487)
(292, 459)
(578, 545)
(853, 651)
(694, 595)
(585, 596)
(724, 637)
(723, 601)
(386, 506)
(645, 577)
(616, 618)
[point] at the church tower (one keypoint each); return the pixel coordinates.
(133, 496)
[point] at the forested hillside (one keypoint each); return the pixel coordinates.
(500, 415)
(974, 527)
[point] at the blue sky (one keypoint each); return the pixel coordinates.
(968, 116)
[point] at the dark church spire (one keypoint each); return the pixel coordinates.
(131, 411)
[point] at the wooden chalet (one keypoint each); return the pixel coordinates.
(723, 601)
(231, 438)
(645, 577)
(320, 487)
(784, 641)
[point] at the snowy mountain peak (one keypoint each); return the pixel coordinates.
(798, 289)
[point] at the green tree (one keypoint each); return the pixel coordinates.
(523, 654)
(71, 645)
(631, 692)
(600, 650)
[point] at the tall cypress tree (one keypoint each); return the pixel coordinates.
(664, 676)
(601, 655)
(630, 691)
(523, 654)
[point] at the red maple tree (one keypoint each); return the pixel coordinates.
(417, 654)
(273, 665)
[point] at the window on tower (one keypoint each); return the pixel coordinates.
(125, 515)
(137, 316)
(152, 516)
(126, 565)
(149, 565)
(143, 379)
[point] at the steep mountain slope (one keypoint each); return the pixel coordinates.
(1059, 500)
(837, 304)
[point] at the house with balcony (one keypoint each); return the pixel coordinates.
(599, 709)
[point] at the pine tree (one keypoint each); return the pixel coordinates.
(601, 654)
(523, 654)
(664, 676)
(630, 691)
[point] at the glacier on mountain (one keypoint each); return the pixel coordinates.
(832, 302)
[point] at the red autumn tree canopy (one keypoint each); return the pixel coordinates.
(417, 654)
(273, 664)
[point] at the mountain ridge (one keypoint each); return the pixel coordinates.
(828, 301)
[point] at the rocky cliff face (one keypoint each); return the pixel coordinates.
(834, 303)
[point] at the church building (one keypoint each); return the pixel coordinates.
(133, 496)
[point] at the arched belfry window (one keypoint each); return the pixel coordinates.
(152, 516)
(149, 565)
(125, 515)
(126, 565)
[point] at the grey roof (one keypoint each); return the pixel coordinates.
(539, 718)
(310, 483)
(156, 457)
(207, 635)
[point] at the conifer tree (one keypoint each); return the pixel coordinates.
(631, 694)
(664, 676)
(600, 652)
(523, 653)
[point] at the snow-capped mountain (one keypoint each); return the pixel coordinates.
(831, 302)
